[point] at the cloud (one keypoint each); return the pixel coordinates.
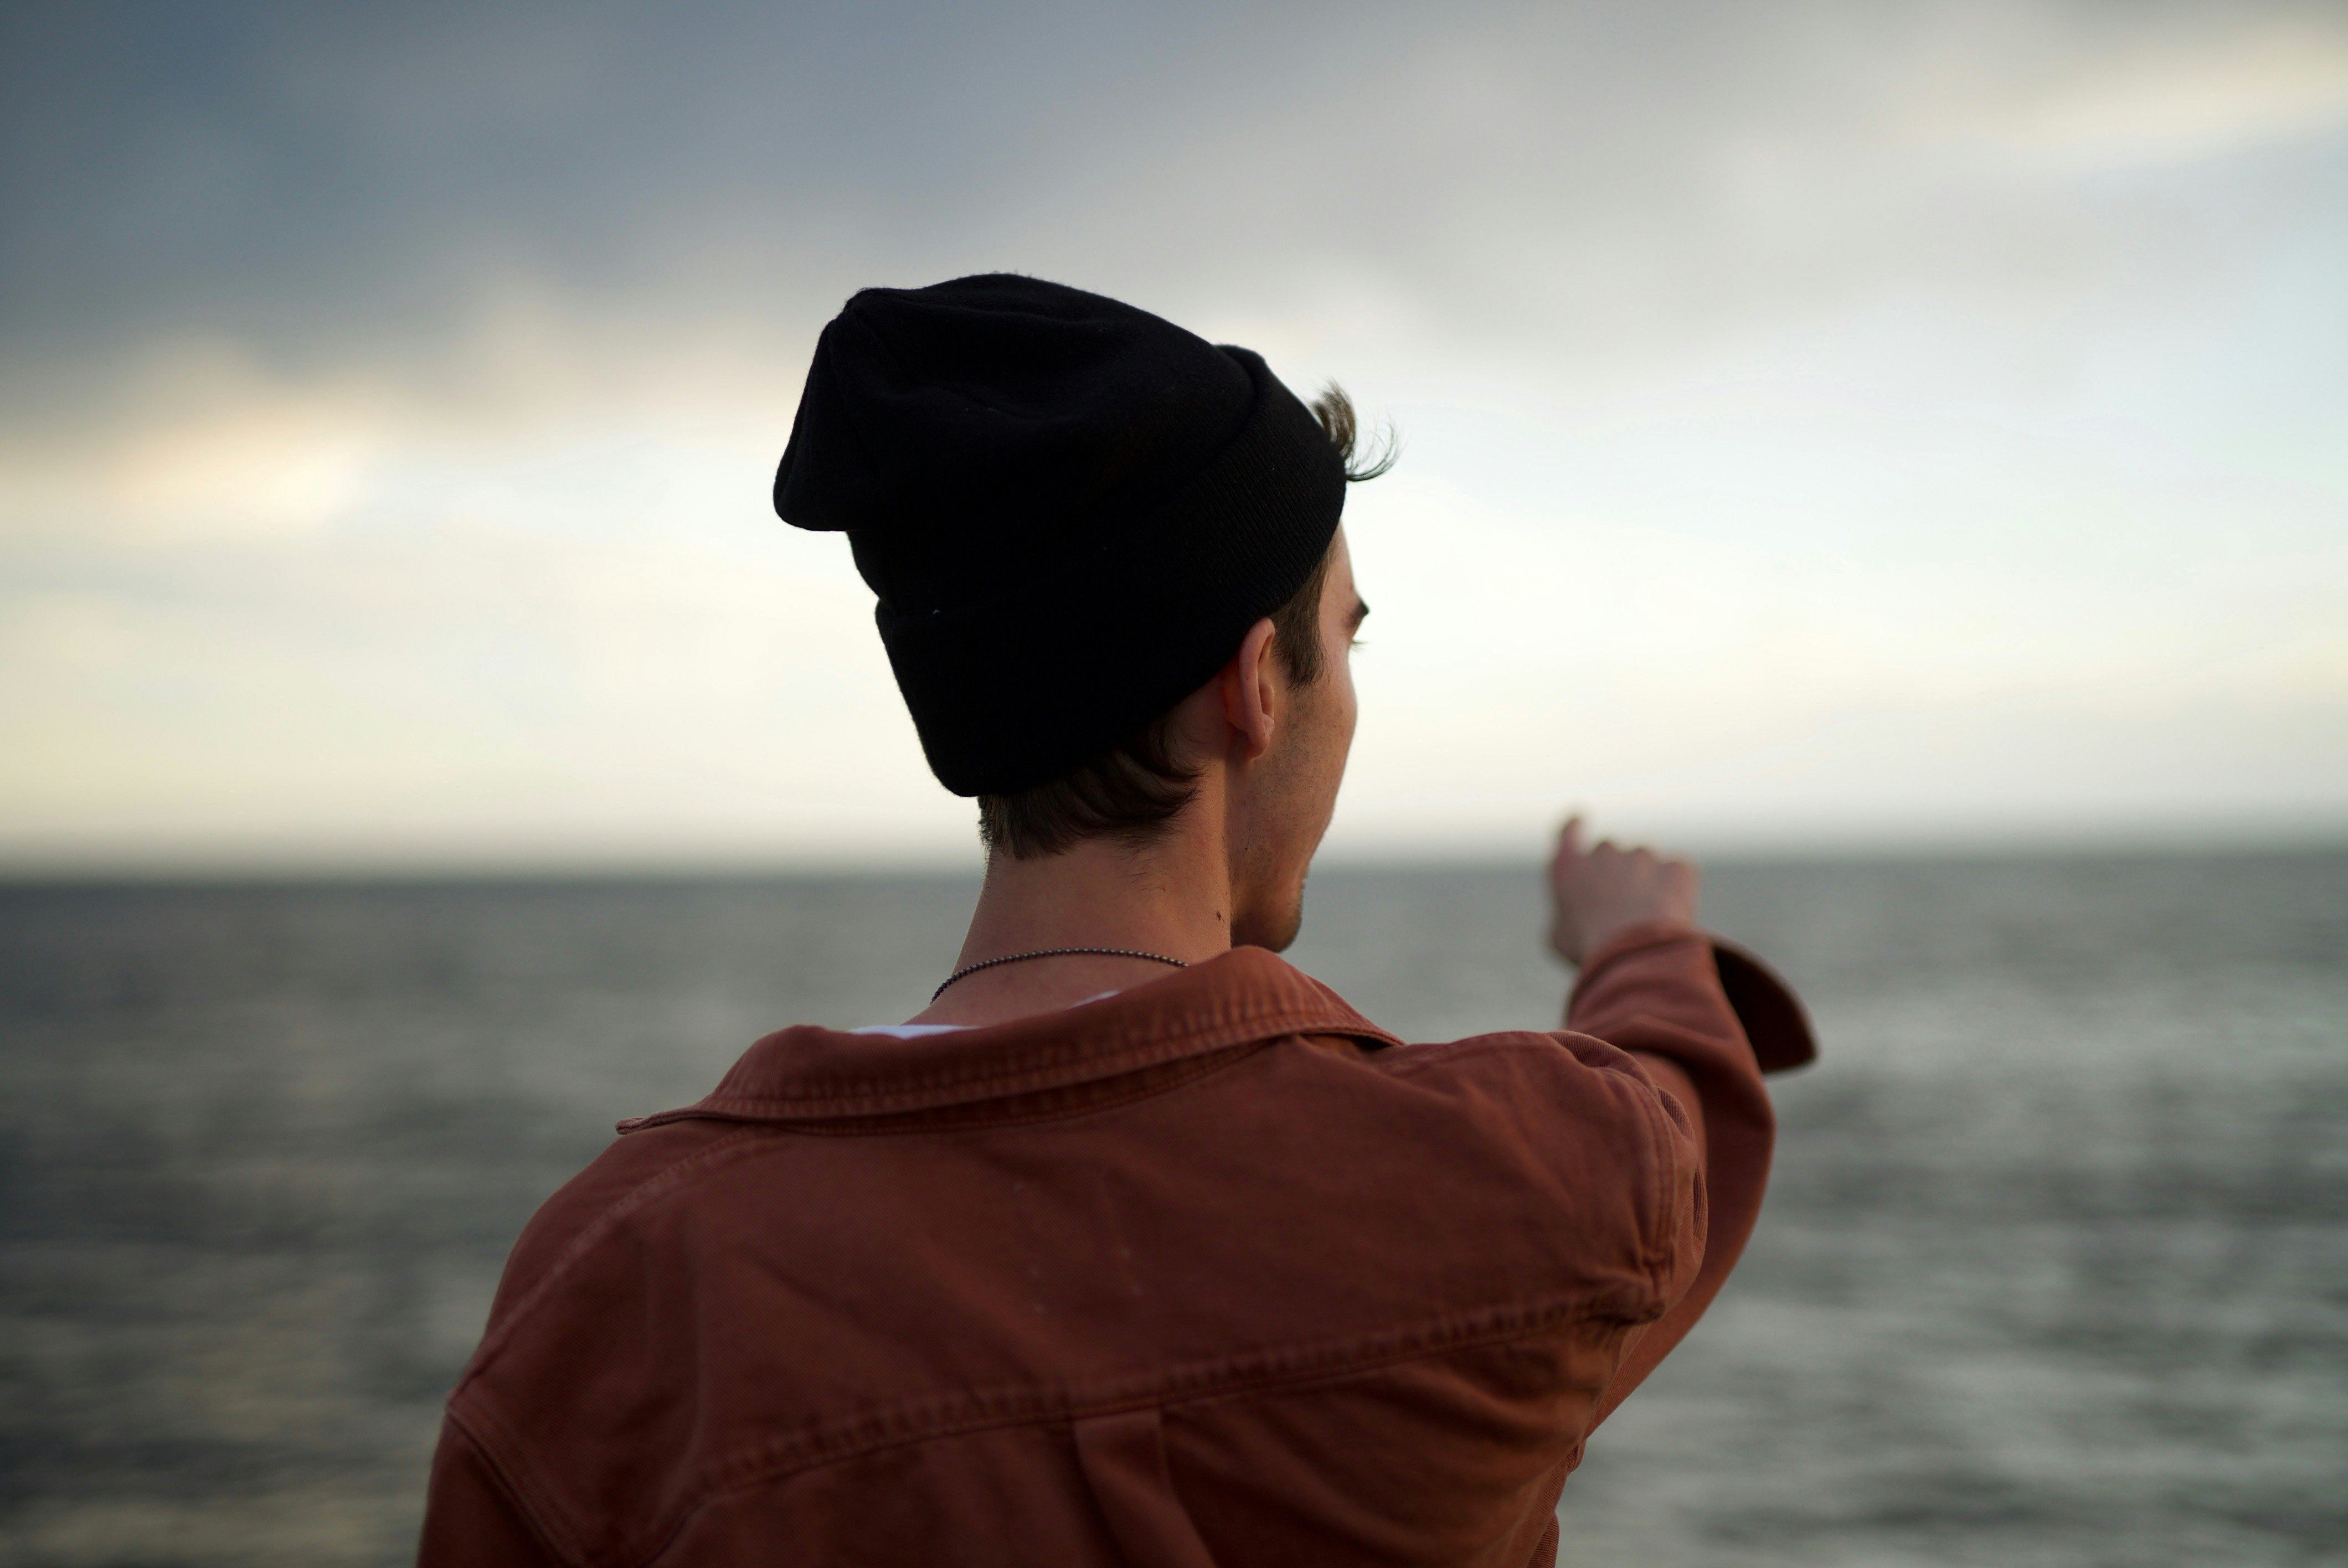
(2180, 88)
(206, 437)
(1805, 403)
(1593, 172)
(202, 444)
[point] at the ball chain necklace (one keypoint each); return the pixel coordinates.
(1052, 953)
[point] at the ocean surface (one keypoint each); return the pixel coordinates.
(2054, 1270)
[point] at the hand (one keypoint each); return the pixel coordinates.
(1597, 892)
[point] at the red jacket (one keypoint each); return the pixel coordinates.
(1212, 1270)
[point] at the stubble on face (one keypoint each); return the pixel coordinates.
(1298, 784)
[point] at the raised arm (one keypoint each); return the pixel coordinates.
(1702, 1019)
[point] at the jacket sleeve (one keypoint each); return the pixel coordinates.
(1717, 1016)
(468, 1518)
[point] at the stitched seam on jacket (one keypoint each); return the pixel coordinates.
(1659, 1146)
(1007, 1076)
(1184, 1072)
(1527, 1039)
(1336, 1364)
(1446, 1054)
(1179, 1073)
(733, 1144)
(543, 1511)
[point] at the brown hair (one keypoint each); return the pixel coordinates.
(1130, 792)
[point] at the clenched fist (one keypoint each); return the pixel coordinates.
(1595, 892)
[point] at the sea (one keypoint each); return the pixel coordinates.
(2054, 1268)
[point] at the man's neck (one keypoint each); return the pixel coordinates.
(1173, 898)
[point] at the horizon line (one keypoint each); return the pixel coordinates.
(352, 866)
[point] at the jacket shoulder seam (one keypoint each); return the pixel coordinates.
(1508, 1044)
(545, 1515)
(731, 1145)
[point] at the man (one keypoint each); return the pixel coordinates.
(1137, 1245)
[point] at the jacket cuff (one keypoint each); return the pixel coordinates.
(1772, 1017)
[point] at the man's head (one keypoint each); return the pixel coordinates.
(1082, 522)
(1291, 672)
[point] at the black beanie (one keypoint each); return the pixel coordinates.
(1071, 510)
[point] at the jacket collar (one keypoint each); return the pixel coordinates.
(807, 1073)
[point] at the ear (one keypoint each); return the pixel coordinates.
(1251, 692)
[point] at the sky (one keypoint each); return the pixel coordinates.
(1823, 426)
